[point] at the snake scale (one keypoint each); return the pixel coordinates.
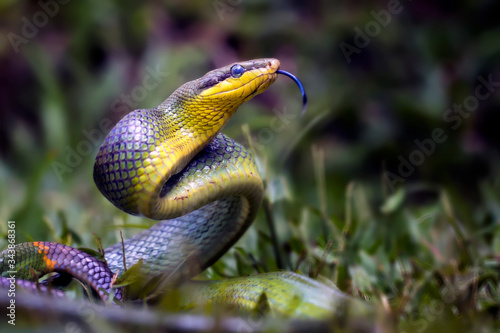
(172, 164)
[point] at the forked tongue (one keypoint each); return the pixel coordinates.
(304, 96)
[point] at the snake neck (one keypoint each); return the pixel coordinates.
(193, 117)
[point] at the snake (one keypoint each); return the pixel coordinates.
(173, 165)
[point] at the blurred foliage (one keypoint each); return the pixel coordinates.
(421, 242)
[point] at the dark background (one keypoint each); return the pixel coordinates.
(348, 183)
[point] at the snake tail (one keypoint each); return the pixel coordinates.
(36, 259)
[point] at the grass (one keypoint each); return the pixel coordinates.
(412, 255)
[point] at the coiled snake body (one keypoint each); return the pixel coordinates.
(171, 163)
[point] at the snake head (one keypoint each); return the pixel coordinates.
(238, 81)
(218, 94)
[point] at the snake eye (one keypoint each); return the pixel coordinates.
(237, 70)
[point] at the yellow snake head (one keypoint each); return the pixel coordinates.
(213, 98)
(238, 81)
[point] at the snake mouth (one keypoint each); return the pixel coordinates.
(273, 65)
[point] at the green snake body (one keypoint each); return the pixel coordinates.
(186, 245)
(171, 164)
